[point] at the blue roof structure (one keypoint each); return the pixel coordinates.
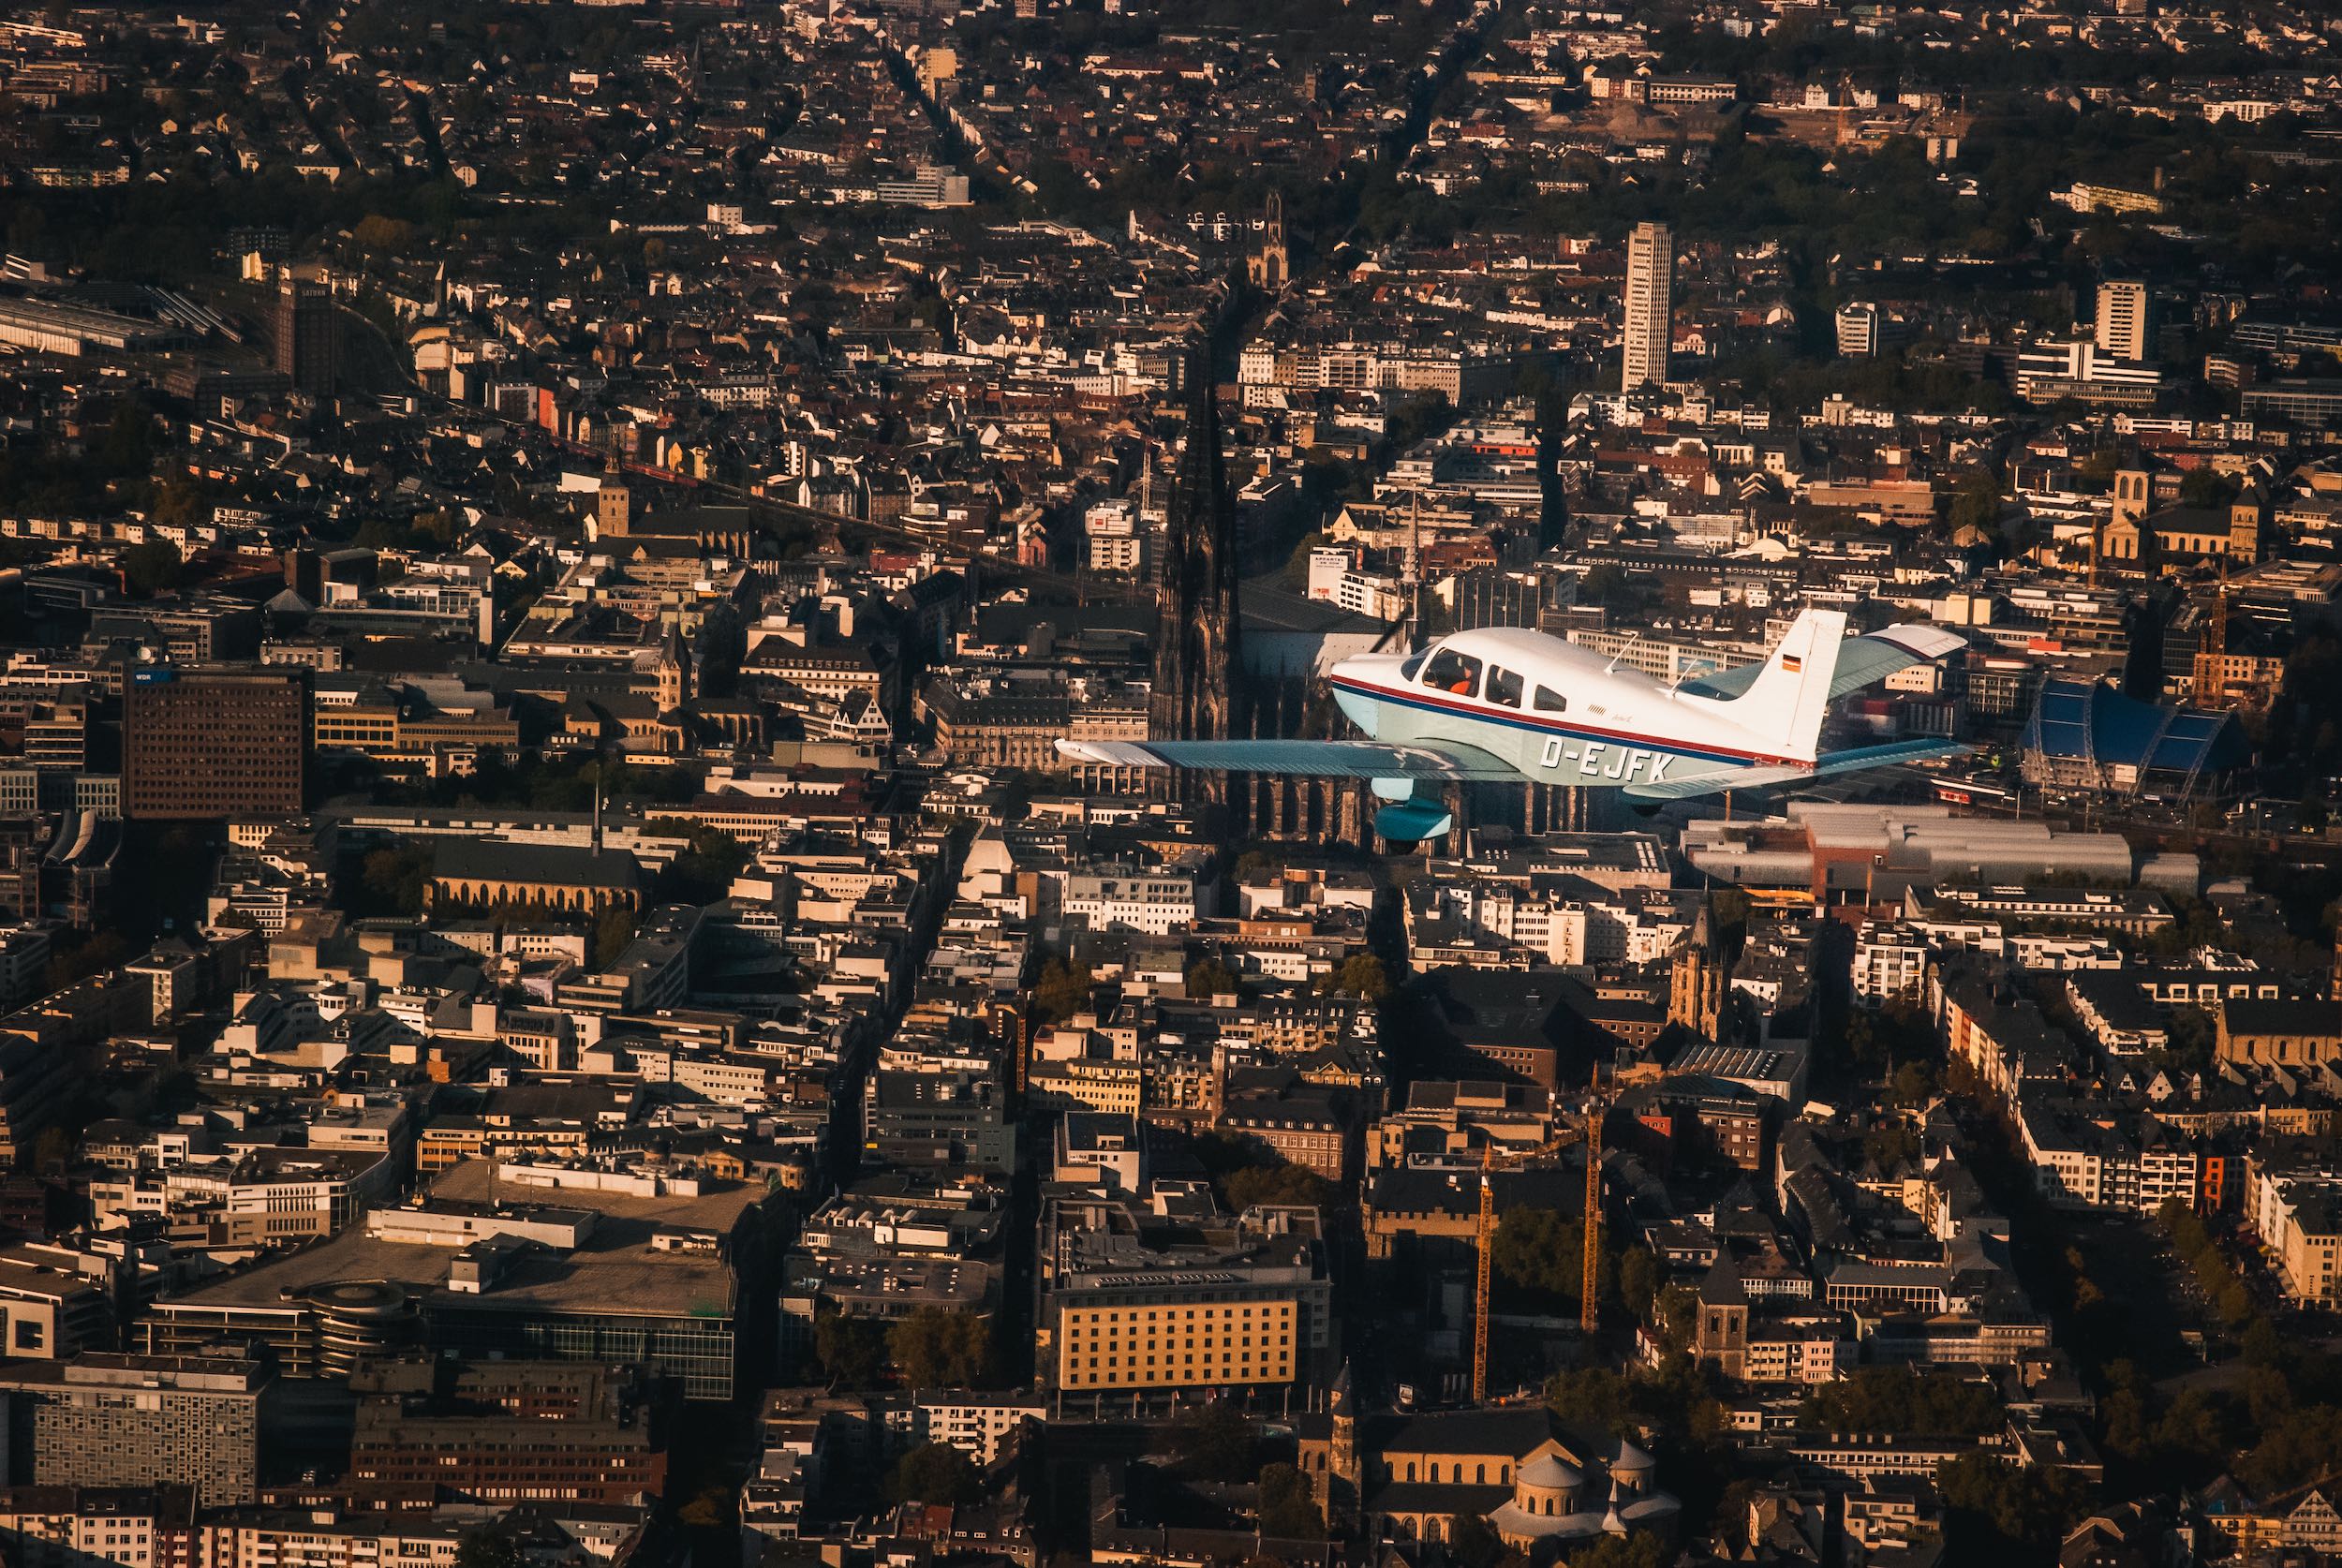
(2091, 722)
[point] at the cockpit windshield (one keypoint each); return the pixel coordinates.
(1414, 662)
(1456, 674)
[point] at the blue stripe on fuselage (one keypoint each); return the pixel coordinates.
(1553, 726)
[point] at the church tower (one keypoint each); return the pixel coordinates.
(1196, 594)
(2248, 516)
(1269, 267)
(1343, 1477)
(614, 506)
(1696, 982)
(1720, 1332)
(674, 673)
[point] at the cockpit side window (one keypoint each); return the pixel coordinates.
(1414, 662)
(1504, 686)
(1550, 700)
(1458, 675)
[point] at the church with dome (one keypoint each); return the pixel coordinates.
(1543, 1484)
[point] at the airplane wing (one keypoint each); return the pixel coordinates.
(1862, 661)
(1436, 761)
(1853, 761)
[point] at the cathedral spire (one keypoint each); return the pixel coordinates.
(1196, 592)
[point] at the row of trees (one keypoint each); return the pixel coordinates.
(929, 1349)
(1361, 974)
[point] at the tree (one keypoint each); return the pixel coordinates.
(1361, 975)
(1207, 980)
(1217, 1441)
(487, 1547)
(1288, 1510)
(1540, 1249)
(851, 1349)
(2206, 487)
(701, 872)
(153, 568)
(706, 1509)
(394, 880)
(1062, 990)
(1250, 1186)
(1638, 1280)
(1898, 1399)
(1641, 1549)
(1975, 502)
(1474, 1542)
(1914, 1085)
(53, 1150)
(935, 1472)
(935, 1349)
(613, 929)
(1994, 1509)
(1675, 1314)
(1590, 1397)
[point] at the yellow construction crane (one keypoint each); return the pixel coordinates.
(1588, 1302)
(1485, 1238)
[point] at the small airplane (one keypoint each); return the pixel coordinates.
(1504, 705)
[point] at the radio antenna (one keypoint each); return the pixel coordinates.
(1415, 566)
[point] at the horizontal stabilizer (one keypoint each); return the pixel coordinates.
(1893, 754)
(1437, 760)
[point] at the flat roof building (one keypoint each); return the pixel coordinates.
(208, 744)
(680, 1282)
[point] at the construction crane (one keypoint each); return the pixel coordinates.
(1485, 1238)
(1589, 1308)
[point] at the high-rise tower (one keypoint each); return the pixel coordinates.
(2123, 326)
(1649, 305)
(307, 333)
(1195, 594)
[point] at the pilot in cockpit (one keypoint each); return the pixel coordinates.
(1451, 672)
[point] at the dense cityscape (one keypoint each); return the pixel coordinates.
(1357, 784)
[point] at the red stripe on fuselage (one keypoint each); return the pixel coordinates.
(1446, 704)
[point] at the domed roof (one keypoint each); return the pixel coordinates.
(1549, 1471)
(1630, 1458)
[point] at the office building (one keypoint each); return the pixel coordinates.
(105, 1420)
(77, 1527)
(22, 839)
(1857, 331)
(2085, 373)
(512, 1431)
(307, 335)
(2122, 324)
(203, 743)
(673, 1270)
(1865, 331)
(1137, 1297)
(1649, 305)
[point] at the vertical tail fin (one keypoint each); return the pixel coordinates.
(1791, 693)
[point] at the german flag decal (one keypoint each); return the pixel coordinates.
(1792, 663)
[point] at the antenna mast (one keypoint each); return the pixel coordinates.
(1415, 566)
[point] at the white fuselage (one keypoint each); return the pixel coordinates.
(1556, 712)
